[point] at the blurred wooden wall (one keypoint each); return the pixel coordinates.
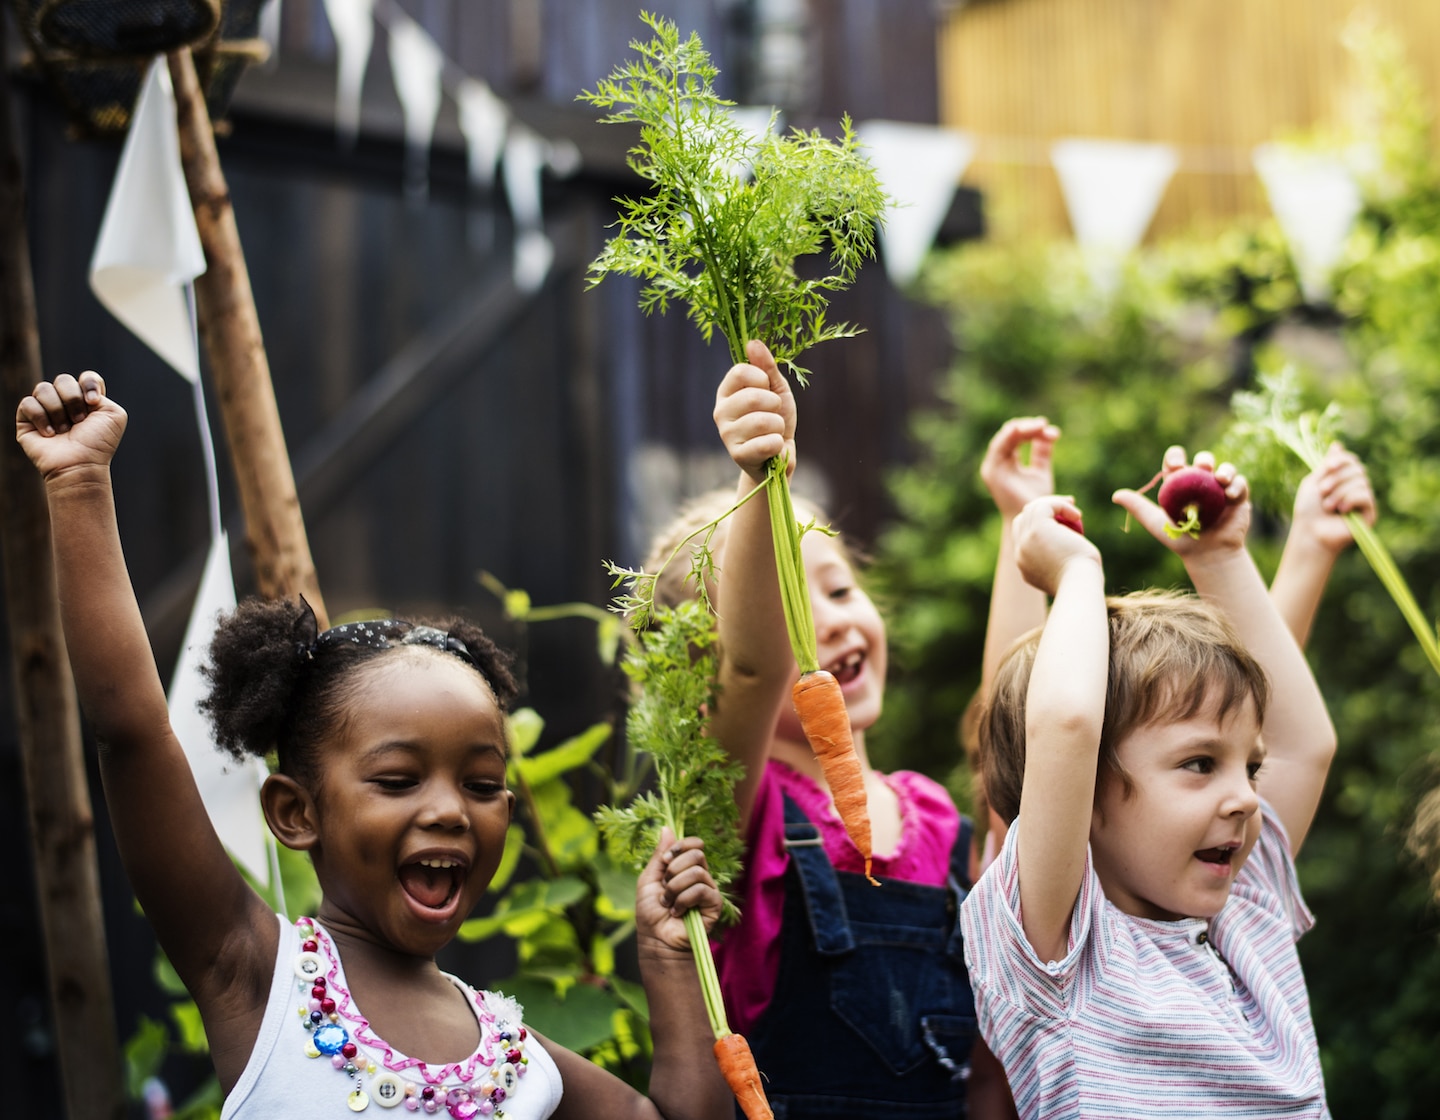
(1212, 77)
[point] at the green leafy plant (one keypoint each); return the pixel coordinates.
(1273, 413)
(720, 231)
(672, 666)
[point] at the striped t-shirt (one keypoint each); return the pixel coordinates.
(1144, 1018)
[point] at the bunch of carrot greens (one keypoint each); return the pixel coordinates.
(720, 231)
(672, 665)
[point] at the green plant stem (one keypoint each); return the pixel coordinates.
(790, 567)
(1302, 437)
(527, 797)
(709, 978)
(567, 610)
(1385, 568)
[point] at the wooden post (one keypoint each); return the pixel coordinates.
(62, 824)
(230, 329)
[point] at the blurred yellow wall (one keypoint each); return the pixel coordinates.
(1212, 77)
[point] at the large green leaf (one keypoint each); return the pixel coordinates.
(579, 1021)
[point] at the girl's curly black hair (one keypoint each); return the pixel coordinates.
(272, 692)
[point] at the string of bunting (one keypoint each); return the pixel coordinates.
(495, 139)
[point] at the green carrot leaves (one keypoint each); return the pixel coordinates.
(729, 213)
(672, 665)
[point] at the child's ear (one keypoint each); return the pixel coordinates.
(290, 812)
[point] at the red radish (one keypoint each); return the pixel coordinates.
(1070, 520)
(1192, 499)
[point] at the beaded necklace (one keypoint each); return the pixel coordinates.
(336, 1030)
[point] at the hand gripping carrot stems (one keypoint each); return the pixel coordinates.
(721, 231)
(672, 665)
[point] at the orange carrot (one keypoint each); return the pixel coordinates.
(741, 1074)
(821, 707)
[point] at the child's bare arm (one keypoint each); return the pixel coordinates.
(1015, 606)
(1298, 735)
(755, 416)
(1318, 534)
(190, 890)
(1064, 713)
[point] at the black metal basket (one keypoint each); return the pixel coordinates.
(94, 53)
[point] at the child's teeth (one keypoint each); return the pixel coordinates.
(442, 863)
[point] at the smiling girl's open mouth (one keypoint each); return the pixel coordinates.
(1221, 857)
(848, 668)
(433, 882)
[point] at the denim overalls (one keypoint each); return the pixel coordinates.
(872, 1013)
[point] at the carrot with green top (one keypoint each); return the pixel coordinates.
(720, 232)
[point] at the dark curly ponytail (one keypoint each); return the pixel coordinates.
(278, 686)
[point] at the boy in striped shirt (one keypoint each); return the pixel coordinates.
(1160, 758)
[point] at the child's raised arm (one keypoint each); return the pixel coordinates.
(187, 885)
(1298, 735)
(755, 416)
(1064, 714)
(1318, 534)
(1015, 607)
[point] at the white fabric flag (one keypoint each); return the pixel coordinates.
(416, 65)
(483, 118)
(229, 788)
(148, 248)
(1111, 190)
(146, 257)
(1316, 200)
(523, 165)
(352, 23)
(918, 166)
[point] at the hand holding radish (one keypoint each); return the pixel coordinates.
(1012, 482)
(1046, 541)
(69, 423)
(1191, 518)
(755, 412)
(1339, 486)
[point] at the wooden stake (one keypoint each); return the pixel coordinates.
(230, 329)
(62, 824)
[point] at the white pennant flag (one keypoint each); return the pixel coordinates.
(918, 166)
(146, 257)
(1111, 190)
(416, 65)
(229, 788)
(1316, 200)
(483, 118)
(148, 248)
(525, 155)
(353, 25)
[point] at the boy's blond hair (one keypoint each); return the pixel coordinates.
(1171, 655)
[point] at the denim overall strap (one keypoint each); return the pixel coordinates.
(960, 883)
(823, 901)
(871, 1015)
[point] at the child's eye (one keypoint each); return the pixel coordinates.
(486, 788)
(1199, 765)
(393, 784)
(840, 594)
(1253, 769)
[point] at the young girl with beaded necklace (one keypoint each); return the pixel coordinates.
(391, 749)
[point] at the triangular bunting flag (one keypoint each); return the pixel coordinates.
(1111, 190)
(352, 23)
(148, 248)
(416, 65)
(523, 166)
(1316, 200)
(919, 167)
(230, 789)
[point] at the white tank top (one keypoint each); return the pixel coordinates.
(317, 1057)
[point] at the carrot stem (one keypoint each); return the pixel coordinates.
(709, 978)
(790, 567)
